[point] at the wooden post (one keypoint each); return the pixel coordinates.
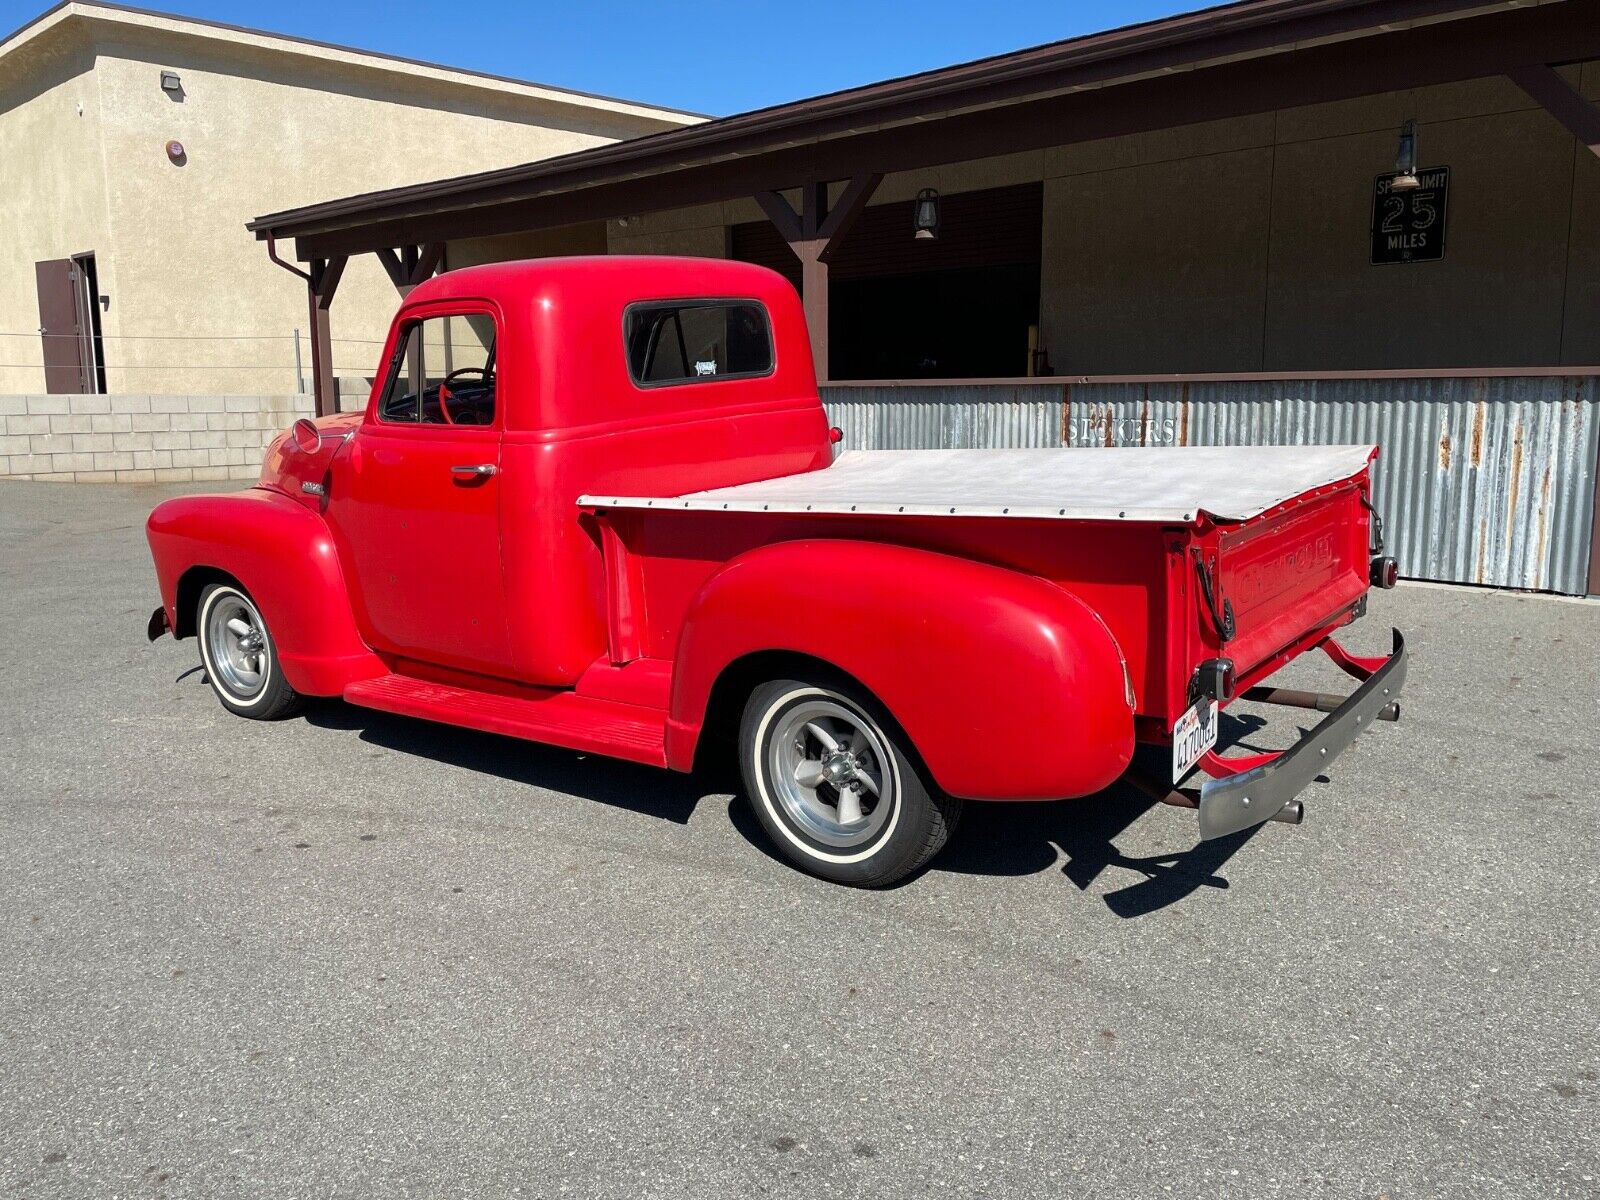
(814, 234)
(322, 282)
(1581, 119)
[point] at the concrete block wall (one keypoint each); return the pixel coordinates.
(140, 439)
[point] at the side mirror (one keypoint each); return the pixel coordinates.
(305, 436)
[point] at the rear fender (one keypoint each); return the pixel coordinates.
(1009, 687)
(282, 553)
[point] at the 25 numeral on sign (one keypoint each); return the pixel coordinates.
(1408, 225)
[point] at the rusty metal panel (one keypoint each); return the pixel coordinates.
(1486, 480)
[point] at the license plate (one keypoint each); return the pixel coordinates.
(1192, 736)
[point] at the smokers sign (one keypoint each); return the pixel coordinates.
(1408, 225)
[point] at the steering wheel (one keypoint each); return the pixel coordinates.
(444, 388)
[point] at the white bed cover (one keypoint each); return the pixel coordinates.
(1165, 484)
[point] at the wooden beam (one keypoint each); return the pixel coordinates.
(410, 265)
(321, 283)
(843, 214)
(814, 299)
(814, 234)
(428, 259)
(1562, 101)
(781, 214)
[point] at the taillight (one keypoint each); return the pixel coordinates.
(1385, 572)
(1214, 678)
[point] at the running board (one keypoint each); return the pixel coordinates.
(564, 719)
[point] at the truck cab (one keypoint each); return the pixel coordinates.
(502, 397)
(596, 502)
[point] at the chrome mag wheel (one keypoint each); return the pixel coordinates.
(236, 645)
(831, 772)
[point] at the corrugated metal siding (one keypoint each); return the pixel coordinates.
(960, 417)
(1481, 480)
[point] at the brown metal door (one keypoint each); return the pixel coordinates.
(61, 312)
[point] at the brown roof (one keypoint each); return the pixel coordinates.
(738, 149)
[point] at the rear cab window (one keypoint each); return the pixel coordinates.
(671, 342)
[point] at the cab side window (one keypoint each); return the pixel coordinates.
(443, 373)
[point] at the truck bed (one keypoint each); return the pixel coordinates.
(1170, 485)
(1280, 536)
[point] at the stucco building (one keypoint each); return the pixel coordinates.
(137, 145)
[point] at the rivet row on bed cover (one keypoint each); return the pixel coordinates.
(1165, 484)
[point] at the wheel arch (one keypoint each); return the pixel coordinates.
(960, 653)
(738, 681)
(187, 599)
(280, 553)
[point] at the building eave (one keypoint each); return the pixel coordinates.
(1245, 30)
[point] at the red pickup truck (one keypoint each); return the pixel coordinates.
(595, 502)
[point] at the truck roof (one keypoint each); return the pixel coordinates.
(563, 319)
(596, 278)
(1163, 484)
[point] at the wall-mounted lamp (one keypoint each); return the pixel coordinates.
(925, 214)
(1405, 161)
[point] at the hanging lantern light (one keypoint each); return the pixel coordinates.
(1405, 161)
(925, 215)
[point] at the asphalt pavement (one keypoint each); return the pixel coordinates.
(355, 955)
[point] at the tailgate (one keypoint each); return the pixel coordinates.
(1290, 571)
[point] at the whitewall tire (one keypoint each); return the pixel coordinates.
(833, 781)
(239, 655)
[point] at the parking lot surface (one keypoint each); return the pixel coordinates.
(351, 954)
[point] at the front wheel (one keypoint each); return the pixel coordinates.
(240, 657)
(834, 785)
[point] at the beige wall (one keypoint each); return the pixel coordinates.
(1243, 245)
(51, 205)
(264, 130)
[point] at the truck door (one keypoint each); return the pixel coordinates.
(415, 501)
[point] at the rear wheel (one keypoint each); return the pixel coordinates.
(240, 657)
(833, 782)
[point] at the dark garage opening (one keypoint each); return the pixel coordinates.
(961, 324)
(957, 307)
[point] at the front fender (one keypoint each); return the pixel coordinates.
(1009, 687)
(282, 553)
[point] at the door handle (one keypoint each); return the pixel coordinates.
(478, 471)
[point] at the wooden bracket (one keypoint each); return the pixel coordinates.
(1562, 101)
(815, 233)
(411, 264)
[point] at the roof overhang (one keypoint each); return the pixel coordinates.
(1234, 60)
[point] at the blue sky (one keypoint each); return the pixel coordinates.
(711, 56)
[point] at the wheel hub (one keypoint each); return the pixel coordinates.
(839, 768)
